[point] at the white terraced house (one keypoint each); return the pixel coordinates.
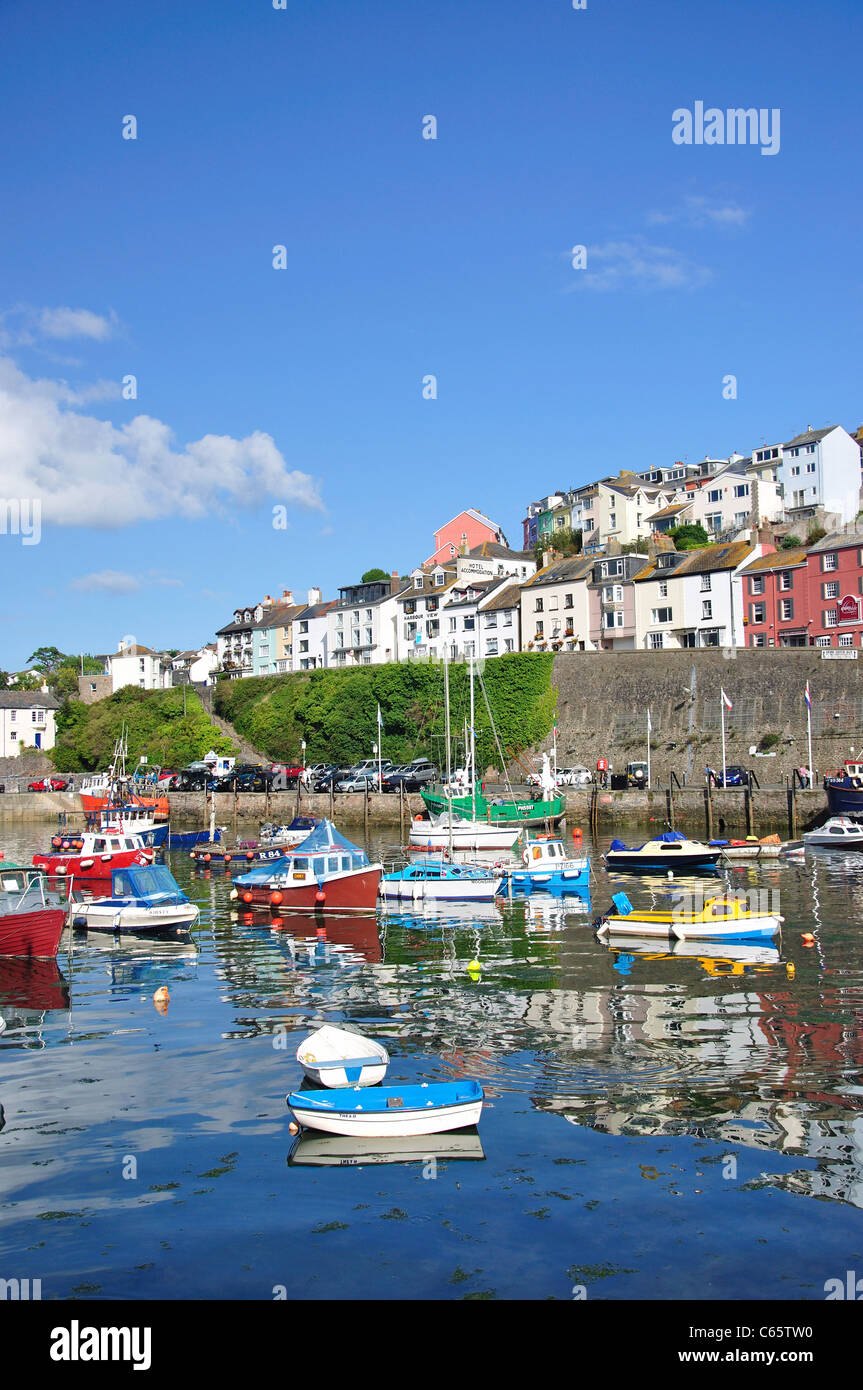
(26, 721)
(133, 664)
(362, 625)
(555, 607)
(693, 598)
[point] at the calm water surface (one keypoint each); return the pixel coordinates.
(658, 1125)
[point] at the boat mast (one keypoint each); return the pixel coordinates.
(472, 748)
(448, 759)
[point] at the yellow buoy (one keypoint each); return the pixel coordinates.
(790, 970)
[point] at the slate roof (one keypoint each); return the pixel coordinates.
(715, 557)
(560, 571)
(837, 540)
(27, 699)
(507, 598)
(809, 437)
(777, 560)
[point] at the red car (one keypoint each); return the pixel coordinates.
(49, 784)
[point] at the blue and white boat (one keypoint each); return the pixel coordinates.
(144, 898)
(388, 1111)
(435, 879)
(338, 1057)
(546, 867)
(187, 839)
(668, 851)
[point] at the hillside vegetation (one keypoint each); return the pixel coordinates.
(156, 726)
(336, 711)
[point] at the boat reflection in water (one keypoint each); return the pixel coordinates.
(549, 911)
(347, 1151)
(134, 963)
(737, 955)
(29, 988)
(353, 931)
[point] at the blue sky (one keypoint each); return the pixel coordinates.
(405, 257)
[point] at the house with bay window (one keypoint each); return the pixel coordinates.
(611, 598)
(555, 612)
(421, 625)
(363, 623)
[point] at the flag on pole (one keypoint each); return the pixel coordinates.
(380, 720)
(726, 701)
(807, 696)
(649, 723)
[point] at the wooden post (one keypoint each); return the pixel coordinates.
(366, 799)
(402, 798)
(669, 806)
(792, 811)
(332, 799)
(747, 806)
(708, 810)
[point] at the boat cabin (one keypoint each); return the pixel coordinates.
(143, 884)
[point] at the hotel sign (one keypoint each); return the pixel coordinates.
(849, 609)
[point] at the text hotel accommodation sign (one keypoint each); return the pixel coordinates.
(849, 609)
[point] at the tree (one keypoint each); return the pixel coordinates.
(815, 534)
(48, 659)
(371, 575)
(789, 542)
(690, 536)
(564, 541)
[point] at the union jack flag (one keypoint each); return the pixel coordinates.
(807, 696)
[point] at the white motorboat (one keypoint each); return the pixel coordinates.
(143, 899)
(338, 1057)
(839, 832)
(449, 828)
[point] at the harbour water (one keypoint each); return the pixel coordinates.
(660, 1122)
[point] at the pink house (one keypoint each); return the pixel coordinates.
(467, 530)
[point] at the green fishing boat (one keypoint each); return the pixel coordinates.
(497, 810)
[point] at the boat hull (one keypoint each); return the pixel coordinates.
(111, 918)
(654, 863)
(513, 812)
(93, 803)
(441, 890)
(476, 836)
(760, 928)
(355, 891)
(390, 1111)
(35, 934)
(844, 800)
(187, 839)
(89, 868)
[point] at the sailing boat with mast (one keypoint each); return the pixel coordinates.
(548, 809)
(458, 829)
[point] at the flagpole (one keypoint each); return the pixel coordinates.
(648, 747)
(472, 747)
(722, 711)
(809, 733)
(380, 741)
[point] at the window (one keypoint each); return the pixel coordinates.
(757, 612)
(786, 609)
(810, 468)
(663, 588)
(610, 568)
(661, 615)
(304, 626)
(508, 644)
(741, 490)
(491, 620)
(829, 617)
(491, 646)
(829, 560)
(706, 609)
(756, 584)
(715, 494)
(618, 618)
(786, 580)
(846, 639)
(418, 581)
(540, 630)
(304, 646)
(567, 600)
(553, 602)
(757, 639)
(655, 640)
(470, 624)
(538, 606)
(706, 583)
(713, 522)
(507, 618)
(823, 641)
(830, 589)
(612, 521)
(439, 580)
(452, 624)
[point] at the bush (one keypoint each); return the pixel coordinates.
(790, 543)
(690, 536)
(155, 723)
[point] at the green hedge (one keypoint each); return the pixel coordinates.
(156, 726)
(336, 711)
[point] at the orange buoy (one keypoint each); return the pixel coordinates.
(320, 897)
(576, 834)
(162, 999)
(227, 859)
(276, 898)
(250, 854)
(247, 897)
(207, 858)
(808, 939)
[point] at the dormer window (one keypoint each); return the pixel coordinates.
(439, 578)
(418, 581)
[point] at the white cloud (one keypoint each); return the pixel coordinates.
(634, 263)
(698, 211)
(106, 582)
(88, 472)
(74, 323)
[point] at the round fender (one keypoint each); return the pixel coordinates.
(87, 863)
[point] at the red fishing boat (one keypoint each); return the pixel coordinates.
(92, 855)
(30, 925)
(325, 872)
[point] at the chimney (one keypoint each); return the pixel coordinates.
(287, 596)
(314, 596)
(268, 602)
(395, 583)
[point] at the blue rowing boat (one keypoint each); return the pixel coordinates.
(383, 1111)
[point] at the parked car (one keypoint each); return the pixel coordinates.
(735, 776)
(252, 779)
(292, 772)
(168, 779)
(366, 781)
(417, 774)
(573, 777)
(331, 776)
(371, 765)
(636, 774)
(49, 784)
